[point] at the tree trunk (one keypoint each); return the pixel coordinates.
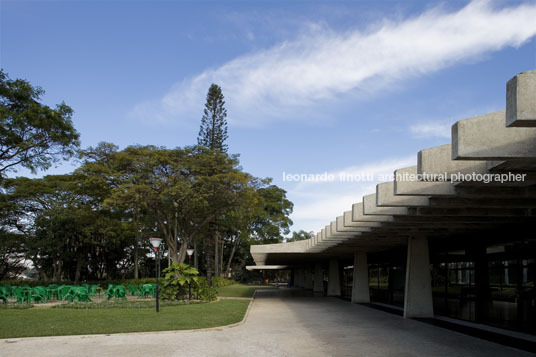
(77, 272)
(136, 259)
(58, 270)
(233, 250)
(216, 255)
(172, 249)
(208, 261)
(221, 256)
(182, 251)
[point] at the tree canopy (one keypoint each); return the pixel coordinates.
(32, 134)
(94, 223)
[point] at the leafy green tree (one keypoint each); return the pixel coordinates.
(263, 218)
(32, 135)
(300, 235)
(66, 228)
(12, 256)
(213, 130)
(106, 167)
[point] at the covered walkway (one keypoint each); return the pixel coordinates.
(283, 322)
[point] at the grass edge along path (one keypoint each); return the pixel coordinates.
(37, 322)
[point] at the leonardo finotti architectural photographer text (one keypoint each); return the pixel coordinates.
(404, 177)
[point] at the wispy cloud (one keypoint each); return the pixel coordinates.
(317, 203)
(431, 129)
(292, 79)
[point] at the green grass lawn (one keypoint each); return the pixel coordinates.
(47, 321)
(241, 290)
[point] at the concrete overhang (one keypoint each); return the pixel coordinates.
(521, 100)
(437, 163)
(359, 216)
(405, 208)
(370, 208)
(485, 137)
(407, 183)
(385, 197)
(348, 222)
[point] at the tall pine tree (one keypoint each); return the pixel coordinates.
(213, 130)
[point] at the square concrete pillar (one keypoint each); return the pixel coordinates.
(418, 295)
(334, 278)
(297, 278)
(308, 279)
(360, 286)
(318, 287)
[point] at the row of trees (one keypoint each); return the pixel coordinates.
(94, 223)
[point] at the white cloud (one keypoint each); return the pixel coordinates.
(318, 203)
(431, 129)
(291, 79)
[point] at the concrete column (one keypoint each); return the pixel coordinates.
(483, 299)
(318, 287)
(360, 286)
(300, 279)
(296, 279)
(291, 277)
(418, 295)
(308, 279)
(334, 278)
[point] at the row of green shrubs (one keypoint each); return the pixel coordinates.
(217, 282)
(101, 283)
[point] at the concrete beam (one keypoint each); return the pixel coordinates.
(485, 202)
(346, 233)
(437, 162)
(359, 216)
(347, 221)
(385, 197)
(406, 183)
(330, 236)
(370, 208)
(486, 137)
(521, 100)
(471, 211)
(418, 290)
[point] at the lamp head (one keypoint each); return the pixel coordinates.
(155, 243)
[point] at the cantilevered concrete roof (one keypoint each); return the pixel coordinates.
(431, 198)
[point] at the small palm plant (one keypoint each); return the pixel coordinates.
(177, 278)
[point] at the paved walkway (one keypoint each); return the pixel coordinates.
(279, 324)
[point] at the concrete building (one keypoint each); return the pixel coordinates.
(452, 235)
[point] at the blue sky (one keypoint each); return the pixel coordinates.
(311, 86)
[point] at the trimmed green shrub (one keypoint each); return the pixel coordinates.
(204, 291)
(219, 282)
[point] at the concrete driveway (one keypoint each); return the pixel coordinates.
(280, 323)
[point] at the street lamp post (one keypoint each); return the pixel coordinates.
(190, 252)
(156, 243)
